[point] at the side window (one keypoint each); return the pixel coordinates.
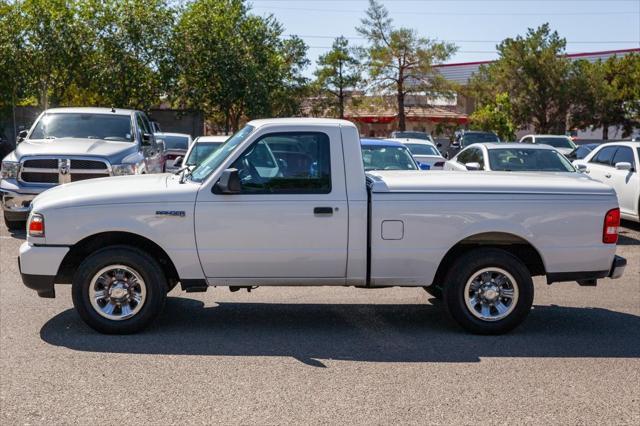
(604, 156)
(266, 169)
(464, 156)
(528, 139)
(624, 154)
(478, 157)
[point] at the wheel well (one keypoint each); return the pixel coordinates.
(83, 248)
(515, 245)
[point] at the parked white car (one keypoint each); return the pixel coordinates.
(200, 149)
(562, 143)
(510, 157)
(245, 218)
(617, 164)
(175, 146)
(424, 152)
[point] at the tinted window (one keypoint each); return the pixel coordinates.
(471, 138)
(604, 156)
(79, 125)
(175, 142)
(464, 156)
(422, 149)
(263, 171)
(376, 157)
(583, 150)
(476, 157)
(201, 151)
(556, 142)
(512, 159)
(624, 154)
(527, 140)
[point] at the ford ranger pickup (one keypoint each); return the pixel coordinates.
(286, 202)
(71, 144)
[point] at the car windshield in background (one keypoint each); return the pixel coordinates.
(175, 142)
(213, 161)
(411, 135)
(529, 160)
(556, 142)
(387, 158)
(471, 138)
(201, 151)
(421, 149)
(84, 126)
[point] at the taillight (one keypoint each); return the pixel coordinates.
(611, 224)
(36, 225)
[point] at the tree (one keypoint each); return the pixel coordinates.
(399, 61)
(535, 73)
(12, 74)
(233, 64)
(496, 116)
(129, 51)
(338, 72)
(606, 94)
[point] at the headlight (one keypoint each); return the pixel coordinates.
(124, 169)
(9, 170)
(36, 225)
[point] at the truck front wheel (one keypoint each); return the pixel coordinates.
(119, 290)
(488, 291)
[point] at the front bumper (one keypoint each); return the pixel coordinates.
(39, 266)
(16, 200)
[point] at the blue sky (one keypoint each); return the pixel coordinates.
(474, 25)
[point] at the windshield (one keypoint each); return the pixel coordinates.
(556, 142)
(213, 161)
(387, 158)
(412, 135)
(422, 149)
(523, 159)
(175, 142)
(200, 151)
(84, 126)
(471, 138)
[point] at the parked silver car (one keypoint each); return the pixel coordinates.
(71, 144)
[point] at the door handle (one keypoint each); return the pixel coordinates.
(608, 175)
(323, 210)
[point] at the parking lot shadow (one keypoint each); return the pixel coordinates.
(359, 332)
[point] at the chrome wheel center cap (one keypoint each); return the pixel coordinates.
(118, 292)
(490, 293)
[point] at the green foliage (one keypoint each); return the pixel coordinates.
(607, 94)
(233, 64)
(535, 73)
(496, 116)
(338, 73)
(399, 61)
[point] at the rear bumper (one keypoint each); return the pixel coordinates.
(590, 278)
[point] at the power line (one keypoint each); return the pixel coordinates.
(477, 41)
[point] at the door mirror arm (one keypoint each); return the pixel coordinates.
(229, 183)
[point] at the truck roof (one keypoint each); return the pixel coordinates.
(90, 110)
(299, 121)
(447, 182)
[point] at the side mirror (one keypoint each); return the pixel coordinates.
(623, 165)
(446, 155)
(581, 167)
(473, 166)
(22, 134)
(161, 145)
(229, 183)
(438, 145)
(424, 166)
(146, 139)
(177, 162)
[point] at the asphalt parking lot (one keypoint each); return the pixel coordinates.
(323, 355)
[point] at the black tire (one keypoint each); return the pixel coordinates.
(468, 265)
(15, 225)
(148, 269)
(434, 290)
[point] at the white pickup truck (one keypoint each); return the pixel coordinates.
(286, 202)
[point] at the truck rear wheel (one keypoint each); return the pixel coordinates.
(119, 290)
(488, 291)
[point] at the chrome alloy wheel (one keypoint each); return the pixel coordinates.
(117, 292)
(491, 294)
